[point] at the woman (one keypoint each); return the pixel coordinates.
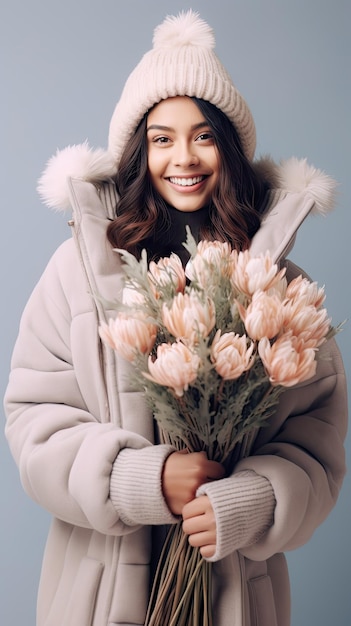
(181, 148)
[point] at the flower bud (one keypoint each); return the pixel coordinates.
(287, 362)
(176, 367)
(212, 258)
(306, 293)
(251, 274)
(263, 317)
(129, 335)
(188, 317)
(231, 355)
(167, 271)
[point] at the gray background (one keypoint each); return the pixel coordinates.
(63, 67)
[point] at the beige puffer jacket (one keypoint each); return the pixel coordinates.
(83, 439)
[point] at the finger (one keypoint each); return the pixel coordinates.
(204, 525)
(215, 470)
(200, 524)
(201, 540)
(197, 506)
(208, 551)
(194, 525)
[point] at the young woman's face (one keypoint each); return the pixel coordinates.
(183, 161)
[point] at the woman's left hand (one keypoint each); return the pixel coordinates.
(200, 524)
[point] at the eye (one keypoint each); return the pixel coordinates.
(205, 137)
(161, 140)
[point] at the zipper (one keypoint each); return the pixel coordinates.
(243, 589)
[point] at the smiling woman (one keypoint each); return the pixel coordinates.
(181, 153)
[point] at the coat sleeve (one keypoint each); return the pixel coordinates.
(279, 495)
(65, 453)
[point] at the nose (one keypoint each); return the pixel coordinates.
(184, 154)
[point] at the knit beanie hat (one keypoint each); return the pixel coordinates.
(182, 62)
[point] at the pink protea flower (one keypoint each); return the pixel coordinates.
(129, 335)
(264, 315)
(188, 317)
(306, 293)
(211, 255)
(167, 271)
(132, 297)
(176, 367)
(288, 361)
(253, 273)
(231, 355)
(306, 322)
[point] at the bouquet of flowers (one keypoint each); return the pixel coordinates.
(213, 345)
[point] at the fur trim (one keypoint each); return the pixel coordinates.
(267, 169)
(296, 176)
(77, 161)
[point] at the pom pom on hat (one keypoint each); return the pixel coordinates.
(182, 62)
(186, 29)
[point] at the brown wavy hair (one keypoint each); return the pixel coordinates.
(237, 203)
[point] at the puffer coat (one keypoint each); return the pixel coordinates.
(83, 438)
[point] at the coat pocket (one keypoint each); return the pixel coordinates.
(262, 607)
(80, 607)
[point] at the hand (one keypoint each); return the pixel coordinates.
(183, 473)
(200, 524)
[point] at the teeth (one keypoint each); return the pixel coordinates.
(186, 182)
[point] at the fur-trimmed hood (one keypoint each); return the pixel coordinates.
(98, 166)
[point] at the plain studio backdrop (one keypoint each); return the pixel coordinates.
(63, 67)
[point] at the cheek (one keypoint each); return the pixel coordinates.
(216, 168)
(216, 160)
(154, 164)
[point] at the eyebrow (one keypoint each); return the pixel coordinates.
(169, 128)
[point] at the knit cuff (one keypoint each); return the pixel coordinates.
(244, 506)
(136, 486)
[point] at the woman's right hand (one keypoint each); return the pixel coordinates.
(183, 473)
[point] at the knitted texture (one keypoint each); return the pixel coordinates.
(136, 486)
(243, 505)
(182, 62)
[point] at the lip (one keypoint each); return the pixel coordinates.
(186, 186)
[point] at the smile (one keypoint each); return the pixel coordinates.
(187, 182)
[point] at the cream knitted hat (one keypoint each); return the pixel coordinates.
(182, 62)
